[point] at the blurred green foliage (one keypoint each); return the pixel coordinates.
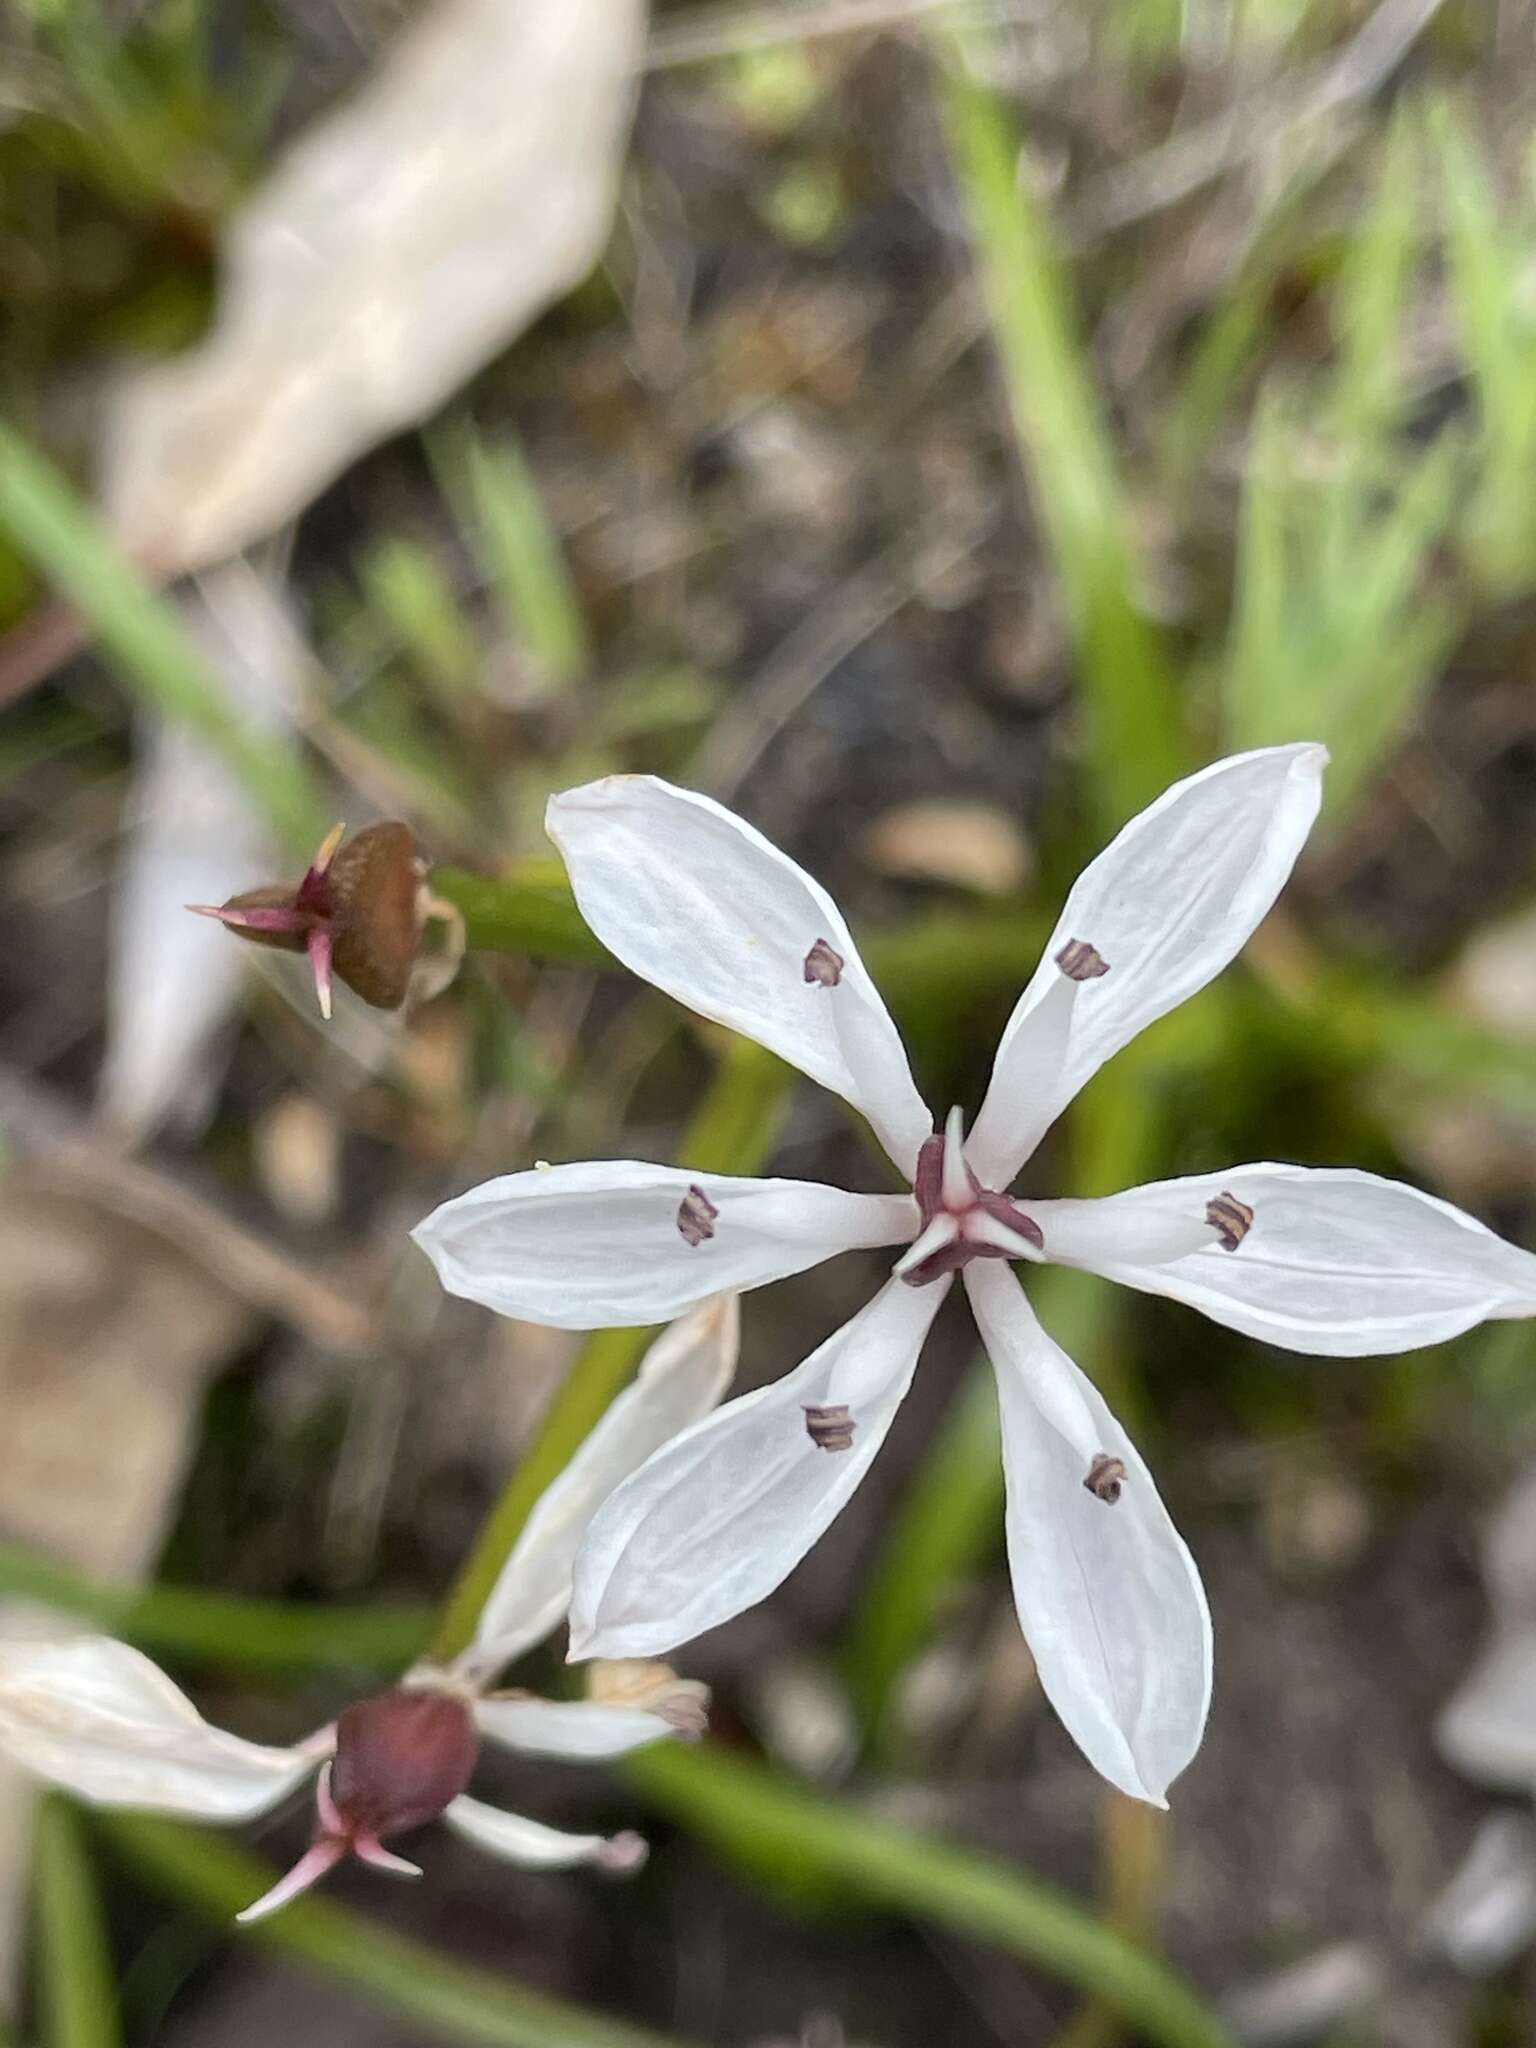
(1341, 528)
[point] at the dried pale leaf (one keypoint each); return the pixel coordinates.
(297, 1144)
(1487, 1913)
(193, 837)
(1304, 2000)
(402, 241)
(1509, 1553)
(1495, 978)
(974, 845)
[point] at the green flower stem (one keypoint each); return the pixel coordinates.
(528, 910)
(746, 1808)
(401, 1976)
(733, 1131)
(932, 970)
(262, 1635)
(77, 1998)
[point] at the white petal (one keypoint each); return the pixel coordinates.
(104, 1722)
(1108, 1596)
(537, 1847)
(1336, 1262)
(600, 1244)
(692, 898)
(681, 1377)
(721, 1516)
(570, 1728)
(1167, 905)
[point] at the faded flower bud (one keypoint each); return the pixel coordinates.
(683, 1703)
(359, 914)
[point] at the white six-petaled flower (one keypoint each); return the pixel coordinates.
(98, 1718)
(1330, 1261)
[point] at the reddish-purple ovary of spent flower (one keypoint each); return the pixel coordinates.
(400, 1759)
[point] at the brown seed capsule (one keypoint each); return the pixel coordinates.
(1079, 961)
(1106, 1476)
(358, 914)
(696, 1215)
(400, 1759)
(1230, 1219)
(375, 880)
(823, 965)
(830, 1429)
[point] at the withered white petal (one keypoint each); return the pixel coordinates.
(581, 1729)
(694, 900)
(605, 1243)
(1108, 1596)
(681, 1377)
(1166, 905)
(1335, 1262)
(536, 1847)
(716, 1520)
(101, 1720)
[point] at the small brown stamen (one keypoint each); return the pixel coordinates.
(823, 965)
(1079, 961)
(830, 1429)
(1106, 1476)
(1229, 1218)
(696, 1215)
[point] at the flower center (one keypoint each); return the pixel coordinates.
(960, 1219)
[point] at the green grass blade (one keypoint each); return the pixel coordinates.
(1487, 264)
(1370, 302)
(452, 2001)
(1131, 712)
(260, 1635)
(408, 591)
(1481, 266)
(750, 1811)
(76, 1992)
(52, 526)
(510, 531)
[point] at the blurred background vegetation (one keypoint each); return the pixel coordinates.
(979, 414)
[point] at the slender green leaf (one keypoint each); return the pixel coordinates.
(77, 1995)
(1488, 257)
(451, 2000)
(262, 1635)
(750, 1811)
(1370, 302)
(508, 528)
(50, 524)
(1337, 631)
(406, 587)
(1131, 711)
